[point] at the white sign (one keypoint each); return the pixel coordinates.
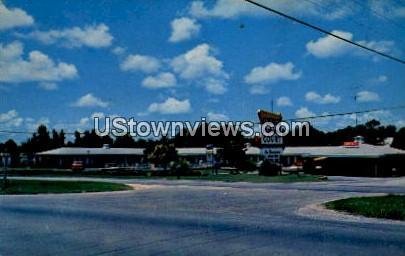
(270, 151)
(272, 154)
(271, 140)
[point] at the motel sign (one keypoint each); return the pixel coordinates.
(271, 146)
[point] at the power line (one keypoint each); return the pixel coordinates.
(289, 119)
(325, 31)
(368, 26)
(30, 132)
(380, 15)
(346, 113)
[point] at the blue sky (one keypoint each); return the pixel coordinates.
(62, 63)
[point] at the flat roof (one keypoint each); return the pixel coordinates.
(363, 150)
(77, 151)
(191, 151)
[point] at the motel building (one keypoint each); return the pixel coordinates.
(350, 159)
(120, 157)
(354, 158)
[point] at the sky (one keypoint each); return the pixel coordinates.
(63, 63)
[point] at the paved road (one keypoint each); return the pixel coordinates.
(198, 218)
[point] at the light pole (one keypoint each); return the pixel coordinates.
(5, 157)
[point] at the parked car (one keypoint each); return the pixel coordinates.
(77, 166)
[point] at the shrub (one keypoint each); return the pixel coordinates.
(268, 168)
(248, 166)
(180, 168)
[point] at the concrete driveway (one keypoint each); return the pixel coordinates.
(199, 218)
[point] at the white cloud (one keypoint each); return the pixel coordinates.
(387, 8)
(118, 50)
(83, 123)
(13, 17)
(200, 66)
(10, 119)
(400, 123)
(284, 101)
(48, 86)
(198, 62)
(170, 106)
(329, 46)
(382, 79)
(37, 67)
(33, 124)
(161, 80)
(381, 46)
(337, 122)
(212, 116)
(227, 9)
(97, 114)
(223, 9)
(304, 112)
(367, 96)
(272, 73)
(215, 86)
(89, 100)
(384, 116)
(94, 36)
(259, 89)
(322, 122)
(183, 29)
(142, 63)
(379, 79)
(317, 98)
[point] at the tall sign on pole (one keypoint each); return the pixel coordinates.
(271, 146)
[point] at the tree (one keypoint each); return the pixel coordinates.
(162, 154)
(11, 148)
(58, 139)
(91, 139)
(43, 140)
(40, 141)
(399, 139)
(125, 141)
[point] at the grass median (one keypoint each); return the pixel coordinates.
(252, 178)
(388, 207)
(16, 187)
(205, 175)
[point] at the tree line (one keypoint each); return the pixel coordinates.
(373, 132)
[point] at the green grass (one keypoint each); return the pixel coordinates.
(250, 178)
(47, 186)
(225, 177)
(388, 207)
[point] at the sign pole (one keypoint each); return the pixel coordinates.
(271, 146)
(4, 159)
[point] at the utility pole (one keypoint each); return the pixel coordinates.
(5, 160)
(355, 101)
(272, 105)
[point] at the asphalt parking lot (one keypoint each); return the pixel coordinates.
(199, 218)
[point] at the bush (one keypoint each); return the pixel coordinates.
(268, 168)
(181, 168)
(248, 166)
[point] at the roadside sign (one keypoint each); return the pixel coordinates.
(267, 116)
(271, 140)
(270, 151)
(351, 144)
(271, 146)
